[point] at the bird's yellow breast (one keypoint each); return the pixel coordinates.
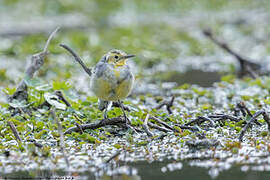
(102, 88)
(123, 89)
(108, 91)
(112, 85)
(116, 73)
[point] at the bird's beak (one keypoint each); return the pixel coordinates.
(128, 56)
(122, 61)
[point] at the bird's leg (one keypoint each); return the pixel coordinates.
(104, 105)
(105, 113)
(125, 116)
(108, 106)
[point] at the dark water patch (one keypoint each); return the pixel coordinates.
(147, 171)
(34, 174)
(153, 171)
(199, 77)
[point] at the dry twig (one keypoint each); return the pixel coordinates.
(114, 156)
(77, 58)
(244, 110)
(145, 126)
(246, 65)
(168, 105)
(15, 132)
(17, 136)
(249, 123)
(79, 126)
(35, 143)
(160, 128)
(222, 117)
(199, 120)
(192, 128)
(162, 123)
(105, 122)
(267, 120)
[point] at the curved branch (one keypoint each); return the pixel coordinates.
(246, 65)
(105, 122)
(77, 58)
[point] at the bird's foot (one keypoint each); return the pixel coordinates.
(117, 104)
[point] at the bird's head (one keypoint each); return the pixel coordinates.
(117, 57)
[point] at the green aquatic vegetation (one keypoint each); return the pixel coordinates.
(157, 46)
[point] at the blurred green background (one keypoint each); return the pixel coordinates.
(166, 36)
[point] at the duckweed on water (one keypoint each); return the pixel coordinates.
(171, 51)
(218, 150)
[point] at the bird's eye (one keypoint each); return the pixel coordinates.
(116, 57)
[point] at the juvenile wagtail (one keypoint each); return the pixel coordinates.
(111, 79)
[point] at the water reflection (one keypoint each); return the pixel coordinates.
(145, 170)
(199, 77)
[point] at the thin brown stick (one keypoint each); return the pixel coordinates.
(145, 126)
(219, 117)
(78, 118)
(15, 132)
(17, 136)
(168, 105)
(35, 143)
(62, 140)
(38, 144)
(201, 144)
(239, 108)
(162, 123)
(267, 120)
(192, 128)
(252, 119)
(154, 126)
(242, 106)
(244, 110)
(105, 122)
(79, 126)
(247, 66)
(199, 120)
(114, 156)
(77, 58)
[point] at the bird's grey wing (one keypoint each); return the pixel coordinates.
(100, 69)
(126, 74)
